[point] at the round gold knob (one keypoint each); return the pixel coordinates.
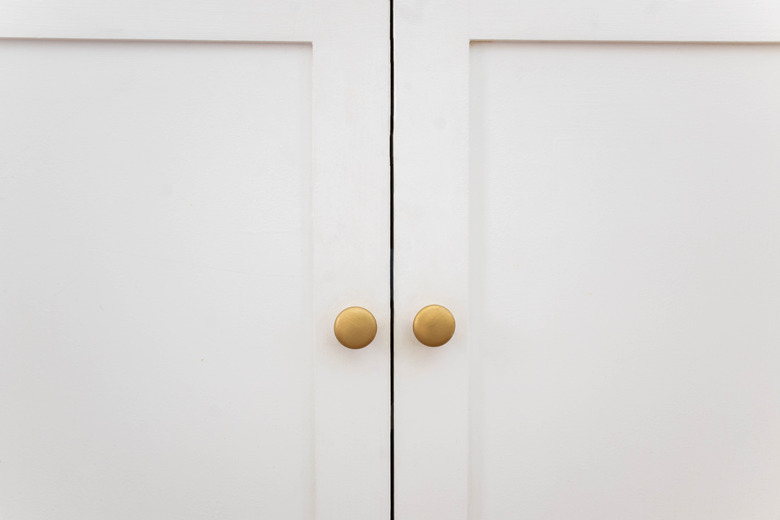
(355, 327)
(434, 325)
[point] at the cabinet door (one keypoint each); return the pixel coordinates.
(190, 192)
(593, 188)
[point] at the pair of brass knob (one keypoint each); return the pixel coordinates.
(355, 327)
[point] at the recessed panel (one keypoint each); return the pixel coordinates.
(155, 280)
(625, 281)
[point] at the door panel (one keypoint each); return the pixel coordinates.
(595, 200)
(624, 280)
(138, 264)
(172, 262)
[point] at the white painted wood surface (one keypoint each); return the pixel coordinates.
(180, 223)
(602, 220)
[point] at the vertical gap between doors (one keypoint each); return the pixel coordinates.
(392, 259)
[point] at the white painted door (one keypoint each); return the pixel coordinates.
(593, 188)
(189, 194)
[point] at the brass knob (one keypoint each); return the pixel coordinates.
(434, 325)
(355, 327)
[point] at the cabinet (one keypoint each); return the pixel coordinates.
(191, 192)
(592, 188)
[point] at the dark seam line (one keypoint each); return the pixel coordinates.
(392, 301)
